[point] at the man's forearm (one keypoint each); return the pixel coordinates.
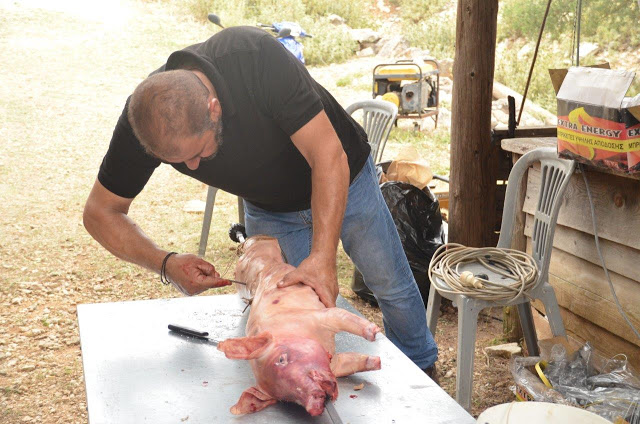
(121, 236)
(330, 187)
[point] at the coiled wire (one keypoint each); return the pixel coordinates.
(509, 263)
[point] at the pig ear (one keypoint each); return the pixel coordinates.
(246, 347)
(252, 400)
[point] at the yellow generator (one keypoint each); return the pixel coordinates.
(412, 87)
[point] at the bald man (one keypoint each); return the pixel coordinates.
(241, 113)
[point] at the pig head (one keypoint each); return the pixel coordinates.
(290, 339)
(291, 369)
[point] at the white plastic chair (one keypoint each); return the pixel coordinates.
(378, 118)
(555, 175)
(208, 213)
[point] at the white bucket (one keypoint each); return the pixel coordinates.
(538, 413)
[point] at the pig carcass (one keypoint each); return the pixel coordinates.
(290, 336)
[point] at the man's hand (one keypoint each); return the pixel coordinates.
(319, 274)
(192, 275)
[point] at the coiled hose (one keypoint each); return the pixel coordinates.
(509, 263)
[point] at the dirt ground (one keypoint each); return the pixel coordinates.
(65, 73)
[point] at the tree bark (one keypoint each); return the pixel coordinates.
(474, 160)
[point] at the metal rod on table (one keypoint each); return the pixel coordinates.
(330, 410)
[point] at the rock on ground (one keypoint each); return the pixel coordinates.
(504, 350)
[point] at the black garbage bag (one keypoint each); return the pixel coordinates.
(416, 214)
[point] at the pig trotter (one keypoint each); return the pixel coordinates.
(344, 364)
(341, 320)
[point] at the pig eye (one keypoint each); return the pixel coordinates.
(282, 360)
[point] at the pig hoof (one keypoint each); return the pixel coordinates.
(373, 363)
(370, 332)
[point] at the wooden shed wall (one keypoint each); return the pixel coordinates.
(587, 306)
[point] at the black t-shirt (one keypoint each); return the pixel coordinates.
(266, 96)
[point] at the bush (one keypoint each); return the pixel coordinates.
(330, 44)
(269, 11)
(512, 69)
(428, 24)
(613, 22)
(439, 37)
(420, 10)
(231, 13)
(356, 13)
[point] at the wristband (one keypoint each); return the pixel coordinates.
(163, 269)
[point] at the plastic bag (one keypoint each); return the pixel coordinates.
(605, 386)
(528, 385)
(416, 214)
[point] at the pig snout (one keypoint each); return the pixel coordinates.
(326, 388)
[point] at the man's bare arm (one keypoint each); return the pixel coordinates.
(105, 218)
(321, 147)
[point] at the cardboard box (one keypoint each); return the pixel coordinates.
(597, 124)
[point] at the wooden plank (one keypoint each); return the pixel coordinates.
(474, 159)
(591, 278)
(594, 308)
(580, 330)
(616, 202)
(527, 132)
(606, 344)
(523, 145)
(620, 259)
(582, 292)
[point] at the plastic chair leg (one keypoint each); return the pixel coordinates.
(467, 325)
(552, 310)
(528, 328)
(433, 309)
(206, 221)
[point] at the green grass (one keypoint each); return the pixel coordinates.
(348, 80)
(11, 390)
(497, 341)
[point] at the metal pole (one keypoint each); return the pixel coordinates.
(533, 62)
(579, 17)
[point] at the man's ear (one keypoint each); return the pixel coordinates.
(252, 400)
(246, 347)
(215, 110)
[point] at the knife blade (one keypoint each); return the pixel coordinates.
(330, 410)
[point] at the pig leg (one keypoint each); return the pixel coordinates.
(344, 364)
(337, 319)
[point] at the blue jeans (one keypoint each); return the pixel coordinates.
(371, 240)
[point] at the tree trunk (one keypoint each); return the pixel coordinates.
(474, 160)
